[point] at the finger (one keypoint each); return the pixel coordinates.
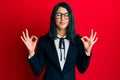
(94, 36)
(95, 40)
(35, 38)
(27, 34)
(91, 33)
(24, 36)
(22, 39)
(85, 37)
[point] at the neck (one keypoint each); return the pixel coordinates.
(62, 33)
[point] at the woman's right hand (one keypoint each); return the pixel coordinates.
(30, 42)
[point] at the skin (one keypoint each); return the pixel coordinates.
(62, 24)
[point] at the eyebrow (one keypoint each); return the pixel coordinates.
(62, 13)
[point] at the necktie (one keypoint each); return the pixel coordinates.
(62, 46)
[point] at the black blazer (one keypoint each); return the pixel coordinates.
(46, 55)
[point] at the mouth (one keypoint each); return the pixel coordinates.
(62, 23)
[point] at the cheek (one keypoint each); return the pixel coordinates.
(67, 22)
(57, 22)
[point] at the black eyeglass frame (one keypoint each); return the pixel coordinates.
(59, 15)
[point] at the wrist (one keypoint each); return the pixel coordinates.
(31, 53)
(87, 53)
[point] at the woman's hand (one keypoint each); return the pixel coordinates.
(30, 42)
(89, 42)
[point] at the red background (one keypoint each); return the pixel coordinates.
(101, 15)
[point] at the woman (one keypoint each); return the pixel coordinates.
(61, 49)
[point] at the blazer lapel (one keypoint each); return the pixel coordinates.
(54, 54)
(69, 55)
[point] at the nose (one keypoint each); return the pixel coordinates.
(62, 17)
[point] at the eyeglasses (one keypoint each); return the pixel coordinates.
(59, 15)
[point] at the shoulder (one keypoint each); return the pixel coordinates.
(43, 38)
(78, 39)
(78, 36)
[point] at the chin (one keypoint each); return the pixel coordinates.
(63, 27)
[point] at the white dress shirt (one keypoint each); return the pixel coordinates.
(67, 43)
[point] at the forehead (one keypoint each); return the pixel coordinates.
(62, 10)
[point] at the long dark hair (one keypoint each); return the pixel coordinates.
(71, 26)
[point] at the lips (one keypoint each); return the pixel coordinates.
(62, 23)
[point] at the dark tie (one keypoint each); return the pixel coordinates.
(62, 46)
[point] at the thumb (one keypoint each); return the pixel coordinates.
(34, 38)
(84, 38)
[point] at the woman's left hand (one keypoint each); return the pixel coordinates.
(89, 42)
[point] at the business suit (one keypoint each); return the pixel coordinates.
(46, 55)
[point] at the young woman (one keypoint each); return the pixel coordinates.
(61, 49)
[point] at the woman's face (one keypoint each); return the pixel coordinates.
(62, 18)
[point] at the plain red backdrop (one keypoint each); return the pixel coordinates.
(101, 15)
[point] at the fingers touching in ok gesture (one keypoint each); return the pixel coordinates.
(90, 41)
(30, 42)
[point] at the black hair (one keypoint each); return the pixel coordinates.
(71, 34)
